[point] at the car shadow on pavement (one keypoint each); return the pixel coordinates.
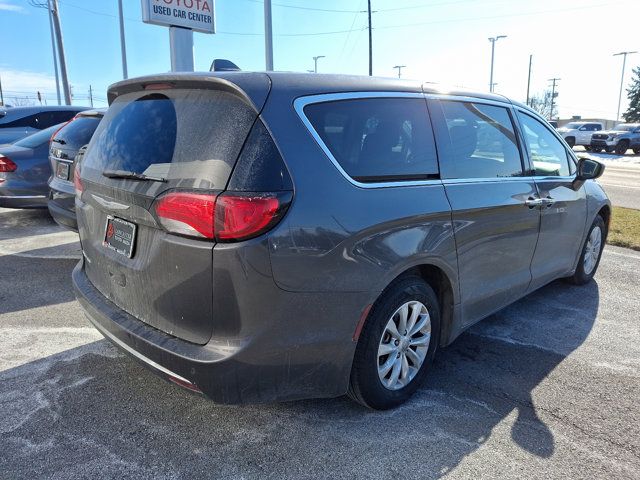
(19, 223)
(51, 284)
(91, 409)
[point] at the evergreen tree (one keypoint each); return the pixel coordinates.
(632, 115)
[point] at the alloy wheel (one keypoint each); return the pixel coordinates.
(404, 345)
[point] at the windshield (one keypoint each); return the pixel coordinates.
(625, 127)
(573, 125)
(37, 139)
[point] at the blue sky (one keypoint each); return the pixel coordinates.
(441, 41)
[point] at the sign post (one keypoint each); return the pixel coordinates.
(183, 17)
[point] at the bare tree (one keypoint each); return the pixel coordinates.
(541, 103)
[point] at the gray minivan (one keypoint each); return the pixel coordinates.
(275, 236)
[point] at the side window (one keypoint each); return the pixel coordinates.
(45, 120)
(62, 116)
(377, 139)
(548, 155)
(28, 121)
(482, 141)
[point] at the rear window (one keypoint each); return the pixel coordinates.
(377, 139)
(190, 136)
(78, 133)
(37, 139)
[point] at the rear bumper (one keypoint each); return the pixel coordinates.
(63, 216)
(23, 201)
(231, 371)
(603, 143)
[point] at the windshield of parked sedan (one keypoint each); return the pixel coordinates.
(573, 126)
(39, 138)
(625, 127)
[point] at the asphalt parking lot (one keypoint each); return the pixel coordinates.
(547, 388)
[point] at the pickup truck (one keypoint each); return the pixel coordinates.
(620, 139)
(579, 133)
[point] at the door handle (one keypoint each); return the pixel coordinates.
(548, 201)
(533, 202)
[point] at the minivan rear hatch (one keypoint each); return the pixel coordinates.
(158, 136)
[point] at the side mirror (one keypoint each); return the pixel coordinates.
(582, 129)
(588, 169)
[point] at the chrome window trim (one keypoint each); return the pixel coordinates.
(301, 102)
(463, 98)
(63, 160)
(448, 181)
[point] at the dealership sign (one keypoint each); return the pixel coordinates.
(197, 15)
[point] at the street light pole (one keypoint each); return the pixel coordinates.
(268, 35)
(55, 12)
(370, 39)
(315, 62)
(123, 45)
(53, 46)
(400, 67)
(624, 64)
(493, 41)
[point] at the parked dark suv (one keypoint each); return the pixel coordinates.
(259, 237)
(65, 146)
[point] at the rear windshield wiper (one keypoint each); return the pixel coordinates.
(132, 175)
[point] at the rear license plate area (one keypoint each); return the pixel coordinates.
(62, 170)
(120, 236)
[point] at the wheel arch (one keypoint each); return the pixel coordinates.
(444, 286)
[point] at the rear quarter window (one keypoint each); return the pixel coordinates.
(377, 139)
(190, 137)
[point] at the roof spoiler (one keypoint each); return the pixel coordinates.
(222, 65)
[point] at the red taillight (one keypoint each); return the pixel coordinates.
(187, 213)
(225, 217)
(242, 217)
(7, 165)
(77, 181)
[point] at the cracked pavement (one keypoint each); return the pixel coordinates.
(546, 388)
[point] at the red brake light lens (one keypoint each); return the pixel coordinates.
(77, 182)
(225, 217)
(242, 217)
(7, 165)
(187, 213)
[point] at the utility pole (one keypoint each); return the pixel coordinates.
(370, 39)
(493, 41)
(624, 64)
(553, 96)
(123, 45)
(268, 35)
(91, 95)
(400, 67)
(529, 78)
(315, 62)
(53, 46)
(55, 12)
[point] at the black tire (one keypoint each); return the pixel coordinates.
(622, 147)
(587, 148)
(580, 277)
(596, 149)
(636, 151)
(365, 386)
(571, 141)
(609, 149)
